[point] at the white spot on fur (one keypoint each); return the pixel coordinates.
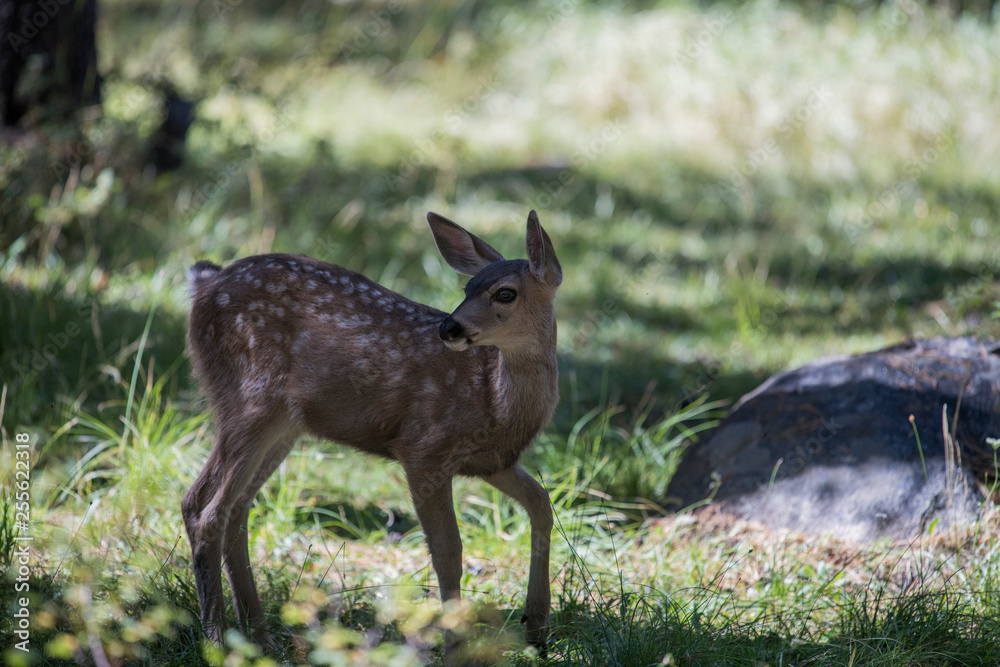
(201, 274)
(394, 355)
(256, 305)
(368, 340)
(276, 288)
(222, 299)
(363, 287)
(300, 342)
(311, 284)
(450, 378)
(352, 321)
(429, 386)
(377, 293)
(254, 384)
(276, 310)
(240, 323)
(325, 317)
(365, 299)
(278, 336)
(257, 283)
(251, 342)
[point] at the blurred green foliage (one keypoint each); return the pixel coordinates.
(731, 187)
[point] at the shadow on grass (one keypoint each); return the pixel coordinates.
(353, 522)
(59, 349)
(873, 628)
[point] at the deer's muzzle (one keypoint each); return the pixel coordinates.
(453, 334)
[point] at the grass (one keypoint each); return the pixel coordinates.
(711, 591)
(722, 209)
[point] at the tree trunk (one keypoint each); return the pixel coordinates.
(48, 59)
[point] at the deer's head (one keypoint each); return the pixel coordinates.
(508, 303)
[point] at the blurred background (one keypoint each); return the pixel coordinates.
(732, 188)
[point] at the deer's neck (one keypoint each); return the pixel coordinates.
(526, 384)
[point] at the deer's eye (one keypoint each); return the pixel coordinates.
(506, 295)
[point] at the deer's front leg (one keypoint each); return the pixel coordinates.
(523, 488)
(432, 499)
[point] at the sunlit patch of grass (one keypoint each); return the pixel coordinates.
(722, 209)
(114, 567)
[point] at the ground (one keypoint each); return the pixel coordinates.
(733, 189)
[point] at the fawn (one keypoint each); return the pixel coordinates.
(284, 345)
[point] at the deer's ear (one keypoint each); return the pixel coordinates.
(466, 253)
(541, 254)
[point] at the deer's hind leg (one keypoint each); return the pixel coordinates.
(215, 511)
(236, 555)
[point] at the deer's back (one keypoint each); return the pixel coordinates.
(342, 356)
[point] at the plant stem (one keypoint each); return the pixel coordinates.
(923, 464)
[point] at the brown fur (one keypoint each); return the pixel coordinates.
(284, 345)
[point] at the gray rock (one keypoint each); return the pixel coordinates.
(829, 447)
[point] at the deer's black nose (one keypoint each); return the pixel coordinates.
(449, 329)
